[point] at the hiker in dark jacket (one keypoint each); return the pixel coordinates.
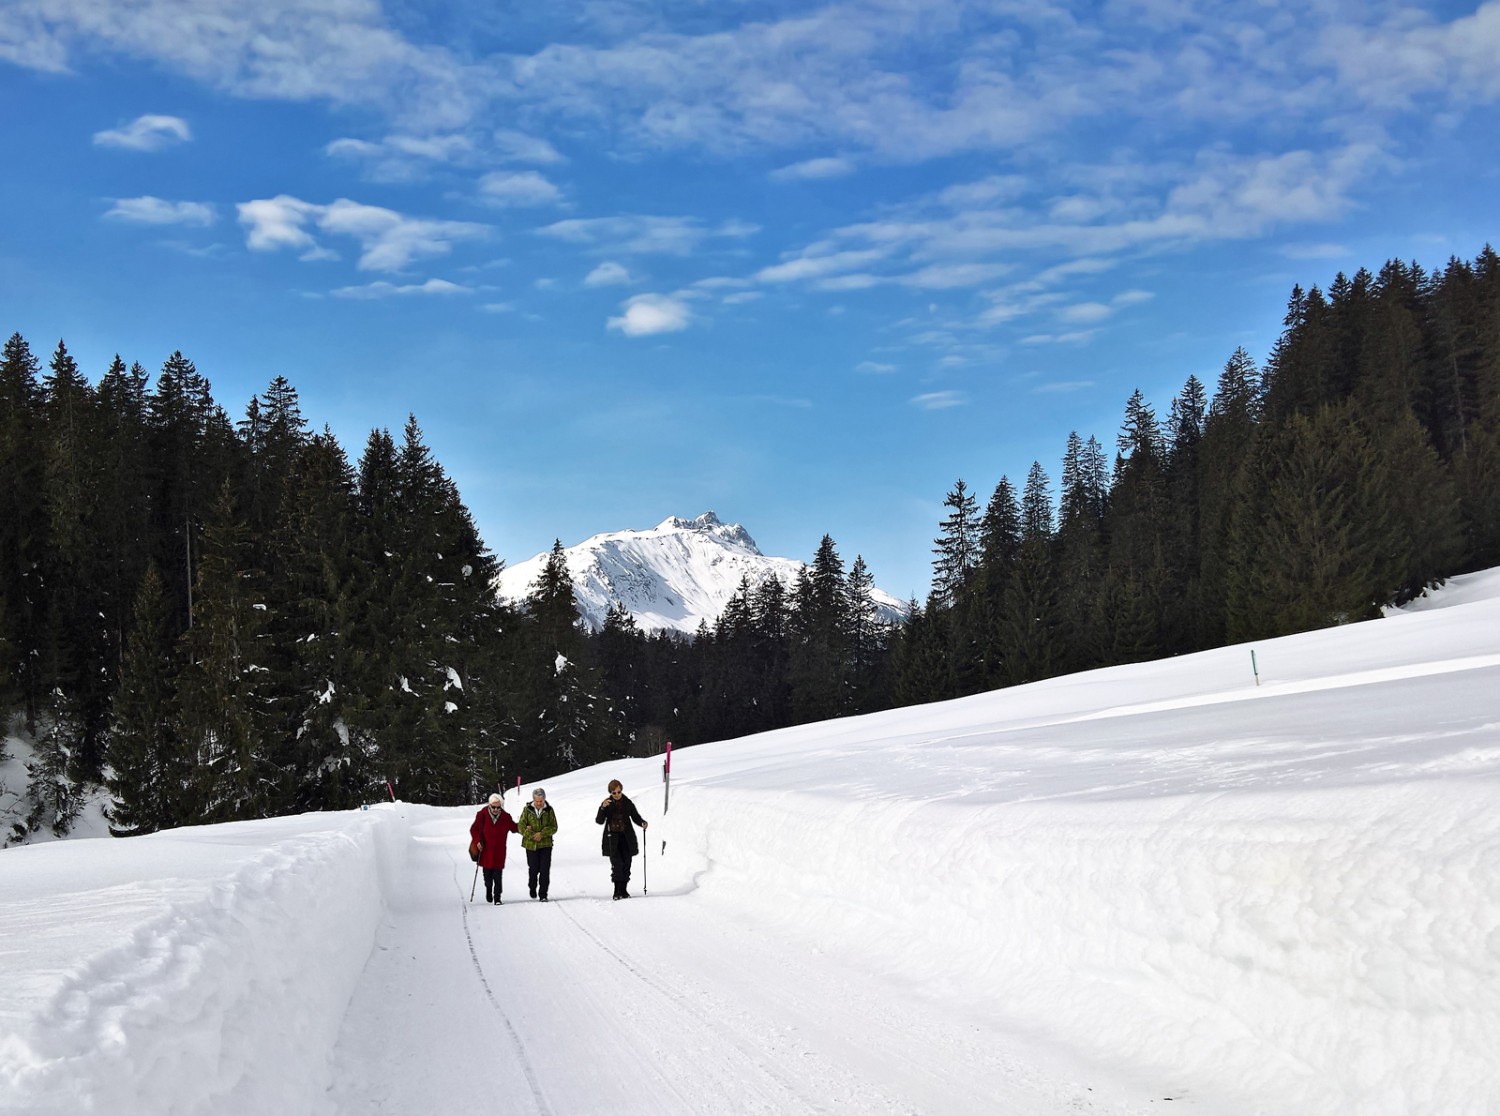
(487, 837)
(538, 823)
(615, 814)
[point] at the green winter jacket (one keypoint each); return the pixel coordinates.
(537, 828)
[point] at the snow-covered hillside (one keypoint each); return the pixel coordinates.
(673, 576)
(1157, 887)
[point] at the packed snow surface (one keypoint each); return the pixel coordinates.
(1161, 887)
(680, 573)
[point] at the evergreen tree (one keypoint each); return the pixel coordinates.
(820, 623)
(957, 548)
(621, 673)
(323, 748)
(222, 690)
(78, 660)
(1080, 556)
(863, 636)
(54, 799)
(1298, 564)
(150, 773)
(562, 692)
(23, 523)
(1228, 434)
(1028, 648)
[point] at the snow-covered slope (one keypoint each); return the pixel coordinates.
(1157, 887)
(673, 576)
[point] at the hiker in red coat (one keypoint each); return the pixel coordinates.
(487, 838)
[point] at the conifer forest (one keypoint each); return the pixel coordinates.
(220, 618)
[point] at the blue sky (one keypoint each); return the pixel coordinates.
(804, 265)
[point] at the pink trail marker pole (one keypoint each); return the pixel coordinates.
(666, 779)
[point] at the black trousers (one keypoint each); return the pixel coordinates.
(538, 871)
(491, 883)
(619, 870)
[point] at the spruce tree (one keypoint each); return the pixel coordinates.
(150, 771)
(223, 691)
(23, 522)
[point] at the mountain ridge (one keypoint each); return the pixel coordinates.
(668, 577)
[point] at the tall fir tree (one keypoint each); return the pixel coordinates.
(150, 771)
(23, 522)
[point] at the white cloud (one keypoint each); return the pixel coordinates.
(517, 188)
(342, 51)
(606, 274)
(874, 367)
(642, 235)
(859, 281)
(403, 157)
(1075, 337)
(1132, 298)
(939, 400)
(817, 266)
(649, 314)
(518, 147)
(946, 276)
(389, 240)
(1083, 313)
(1326, 251)
(813, 169)
(382, 289)
(739, 298)
(146, 133)
(156, 211)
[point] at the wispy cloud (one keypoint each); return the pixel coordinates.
(518, 188)
(518, 147)
(156, 211)
(389, 241)
(383, 289)
(818, 264)
(290, 50)
(1073, 337)
(648, 314)
(607, 274)
(403, 158)
(1083, 313)
(645, 235)
(874, 367)
(146, 133)
(813, 170)
(1324, 251)
(939, 400)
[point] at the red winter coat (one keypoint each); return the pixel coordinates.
(490, 834)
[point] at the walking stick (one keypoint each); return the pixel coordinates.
(645, 866)
(475, 884)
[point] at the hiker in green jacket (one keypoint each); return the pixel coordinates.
(538, 823)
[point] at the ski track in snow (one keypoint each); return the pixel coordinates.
(649, 1004)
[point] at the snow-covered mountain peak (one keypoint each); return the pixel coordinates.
(678, 574)
(709, 523)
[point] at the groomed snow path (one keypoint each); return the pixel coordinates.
(656, 1004)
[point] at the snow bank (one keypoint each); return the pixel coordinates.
(1308, 949)
(201, 970)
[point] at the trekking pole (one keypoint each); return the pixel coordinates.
(645, 866)
(475, 884)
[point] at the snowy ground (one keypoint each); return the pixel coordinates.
(1152, 888)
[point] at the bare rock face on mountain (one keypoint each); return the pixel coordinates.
(673, 576)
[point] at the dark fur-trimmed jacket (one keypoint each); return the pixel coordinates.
(616, 818)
